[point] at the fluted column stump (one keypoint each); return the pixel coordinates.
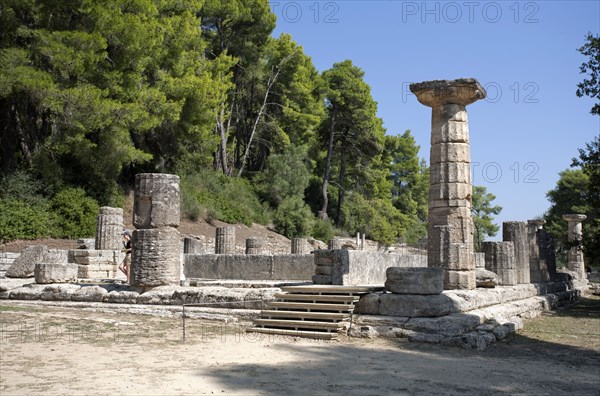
(225, 240)
(256, 245)
(450, 226)
(109, 226)
(300, 246)
(538, 270)
(516, 232)
(575, 261)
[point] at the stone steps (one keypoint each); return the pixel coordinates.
(313, 311)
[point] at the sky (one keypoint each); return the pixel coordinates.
(524, 53)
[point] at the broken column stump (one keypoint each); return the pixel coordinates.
(225, 240)
(516, 232)
(109, 226)
(500, 259)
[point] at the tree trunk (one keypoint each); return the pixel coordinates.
(323, 212)
(341, 192)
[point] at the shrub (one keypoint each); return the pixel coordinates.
(73, 214)
(323, 230)
(293, 218)
(21, 220)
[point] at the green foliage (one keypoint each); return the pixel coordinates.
(482, 211)
(293, 218)
(591, 86)
(378, 219)
(20, 220)
(73, 214)
(323, 230)
(286, 175)
(219, 197)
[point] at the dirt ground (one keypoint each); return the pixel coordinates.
(68, 351)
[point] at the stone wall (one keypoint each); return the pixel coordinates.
(249, 267)
(354, 267)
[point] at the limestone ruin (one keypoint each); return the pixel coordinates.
(447, 294)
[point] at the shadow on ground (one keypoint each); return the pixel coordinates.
(523, 363)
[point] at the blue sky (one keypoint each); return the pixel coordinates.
(525, 54)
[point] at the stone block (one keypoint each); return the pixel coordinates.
(368, 304)
(322, 279)
(324, 257)
(323, 269)
(24, 265)
(485, 278)
(156, 201)
(155, 257)
(443, 172)
(89, 294)
(411, 305)
(452, 153)
(192, 246)
(55, 273)
(449, 125)
(459, 280)
(415, 280)
(450, 191)
(479, 260)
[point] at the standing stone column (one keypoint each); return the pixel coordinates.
(225, 240)
(516, 232)
(500, 258)
(256, 245)
(538, 271)
(155, 253)
(300, 246)
(109, 226)
(575, 261)
(450, 226)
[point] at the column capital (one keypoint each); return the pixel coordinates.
(536, 222)
(574, 217)
(462, 91)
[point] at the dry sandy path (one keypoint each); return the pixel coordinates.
(65, 351)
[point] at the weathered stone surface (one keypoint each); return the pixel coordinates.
(453, 156)
(500, 259)
(59, 292)
(547, 252)
(90, 293)
(334, 244)
(27, 292)
(368, 304)
(485, 278)
(451, 325)
(355, 267)
(479, 260)
(192, 246)
(109, 226)
(516, 232)
(415, 305)
(86, 243)
(155, 257)
(462, 91)
(256, 245)
(225, 240)
(121, 297)
(24, 265)
(575, 260)
(55, 273)
(415, 280)
(323, 269)
(249, 267)
(459, 280)
(56, 256)
(538, 271)
(322, 279)
(300, 246)
(156, 201)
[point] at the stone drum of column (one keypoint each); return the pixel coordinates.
(300, 246)
(500, 258)
(156, 201)
(155, 257)
(516, 232)
(192, 246)
(575, 261)
(450, 226)
(225, 240)
(109, 226)
(538, 271)
(256, 245)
